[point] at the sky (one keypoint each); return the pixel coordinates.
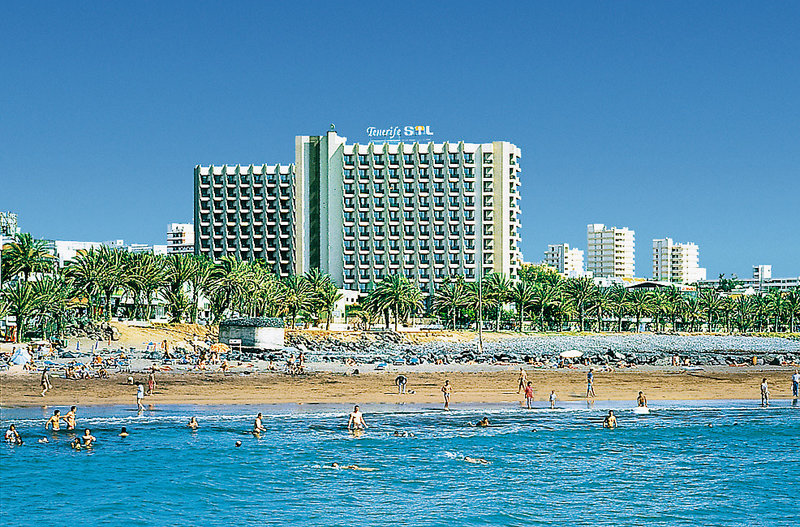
(675, 119)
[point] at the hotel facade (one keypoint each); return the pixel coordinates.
(676, 262)
(361, 212)
(611, 251)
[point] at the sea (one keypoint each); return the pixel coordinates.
(686, 463)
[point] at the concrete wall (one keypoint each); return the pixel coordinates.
(253, 337)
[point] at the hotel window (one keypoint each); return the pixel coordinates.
(363, 230)
(393, 244)
(378, 158)
(469, 171)
(438, 158)
(454, 187)
(438, 201)
(378, 173)
(348, 188)
(408, 159)
(454, 230)
(438, 258)
(487, 158)
(408, 172)
(363, 159)
(409, 230)
(393, 216)
(424, 173)
(362, 172)
(423, 202)
(407, 215)
(487, 186)
(453, 159)
(364, 259)
(423, 229)
(408, 202)
(423, 159)
(423, 187)
(469, 158)
(379, 216)
(393, 172)
(393, 187)
(439, 215)
(348, 159)
(363, 216)
(348, 172)
(453, 172)
(363, 245)
(393, 232)
(438, 187)
(408, 187)
(454, 215)
(363, 202)
(438, 172)
(409, 245)
(393, 159)
(378, 202)
(363, 188)
(453, 201)
(348, 231)
(469, 187)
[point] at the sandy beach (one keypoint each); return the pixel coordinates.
(378, 387)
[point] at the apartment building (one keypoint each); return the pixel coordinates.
(611, 251)
(361, 212)
(676, 262)
(180, 238)
(568, 262)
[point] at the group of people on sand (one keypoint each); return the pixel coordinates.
(526, 387)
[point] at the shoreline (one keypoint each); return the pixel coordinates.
(378, 387)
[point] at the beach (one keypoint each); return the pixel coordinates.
(471, 384)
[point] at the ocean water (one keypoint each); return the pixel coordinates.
(546, 467)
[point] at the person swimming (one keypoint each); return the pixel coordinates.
(193, 424)
(398, 433)
(352, 467)
(610, 420)
(237, 444)
(476, 460)
(12, 436)
(483, 423)
(124, 432)
(69, 417)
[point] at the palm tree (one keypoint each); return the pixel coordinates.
(397, 295)
(692, 311)
(546, 294)
(87, 270)
(792, 303)
(25, 255)
(619, 303)
(450, 298)
(199, 281)
(178, 270)
(22, 301)
(522, 294)
(318, 282)
(776, 306)
(498, 291)
(112, 275)
(601, 303)
(328, 298)
(298, 295)
(642, 303)
(144, 276)
(581, 292)
(710, 302)
(53, 299)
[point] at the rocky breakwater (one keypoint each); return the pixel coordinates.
(654, 349)
(91, 330)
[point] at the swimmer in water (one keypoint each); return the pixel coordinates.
(54, 421)
(194, 425)
(398, 433)
(124, 432)
(88, 438)
(12, 436)
(641, 401)
(238, 444)
(356, 421)
(70, 418)
(257, 426)
(610, 421)
(352, 467)
(476, 460)
(43, 440)
(75, 443)
(483, 423)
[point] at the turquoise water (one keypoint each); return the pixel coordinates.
(668, 468)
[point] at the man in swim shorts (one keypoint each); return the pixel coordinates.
(356, 421)
(400, 382)
(590, 383)
(446, 391)
(610, 421)
(257, 426)
(529, 395)
(70, 418)
(523, 379)
(764, 392)
(641, 401)
(54, 421)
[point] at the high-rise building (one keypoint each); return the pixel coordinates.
(611, 251)
(8, 224)
(363, 212)
(180, 238)
(568, 262)
(676, 262)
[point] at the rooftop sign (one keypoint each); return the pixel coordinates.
(398, 133)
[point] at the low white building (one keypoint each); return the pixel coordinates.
(180, 238)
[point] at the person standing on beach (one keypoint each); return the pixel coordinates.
(139, 397)
(151, 381)
(523, 380)
(400, 382)
(552, 399)
(45, 381)
(764, 392)
(641, 400)
(529, 395)
(70, 418)
(795, 383)
(446, 391)
(590, 383)
(356, 421)
(54, 421)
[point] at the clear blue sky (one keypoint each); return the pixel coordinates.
(675, 119)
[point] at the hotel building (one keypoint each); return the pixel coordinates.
(361, 212)
(180, 238)
(676, 262)
(568, 262)
(611, 251)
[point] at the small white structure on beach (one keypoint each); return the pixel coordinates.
(254, 334)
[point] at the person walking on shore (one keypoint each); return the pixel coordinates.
(400, 382)
(446, 391)
(764, 392)
(795, 383)
(151, 381)
(590, 383)
(45, 381)
(523, 380)
(552, 399)
(139, 397)
(529, 395)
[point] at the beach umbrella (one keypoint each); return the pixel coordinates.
(571, 354)
(219, 347)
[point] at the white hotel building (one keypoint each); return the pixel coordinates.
(180, 238)
(676, 262)
(611, 251)
(361, 212)
(568, 262)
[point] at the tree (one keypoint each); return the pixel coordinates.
(450, 298)
(112, 264)
(298, 295)
(397, 295)
(642, 303)
(601, 303)
(497, 293)
(581, 292)
(710, 303)
(522, 294)
(792, 303)
(328, 298)
(619, 303)
(26, 255)
(87, 270)
(318, 283)
(21, 300)
(546, 294)
(53, 299)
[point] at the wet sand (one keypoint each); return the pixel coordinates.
(468, 387)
